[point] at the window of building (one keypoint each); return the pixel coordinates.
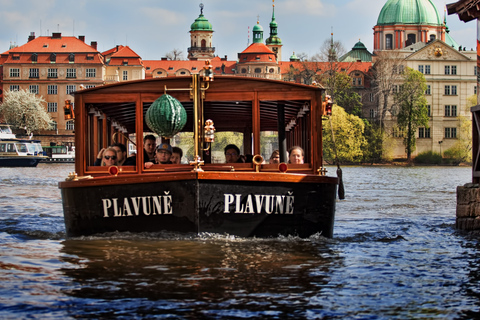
(34, 57)
(125, 75)
(424, 132)
(447, 69)
(52, 89)
(70, 125)
(52, 107)
(33, 88)
(427, 69)
(429, 110)
(450, 133)
(475, 89)
(14, 87)
(71, 73)
(88, 86)
(429, 90)
(420, 68)
(53, 125)
(447, 90)
(34, 73)
(475, 70)
(91, 73)
(432, 37)
(52, 73)
(14, 73)
(411, 38)
(389, 41)
(53, 57)
(372, 114)
(71, 88)
(258, 70)
(71, 57)
(370, 97)
(454, 70)
(450, 110)
(454, 90)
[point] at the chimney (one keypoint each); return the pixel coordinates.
(224, 59)
(93, 44)
(31, 37)
(164, 58)
(81, 38)
(56, 35)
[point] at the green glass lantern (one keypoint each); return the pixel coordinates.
(166, 116)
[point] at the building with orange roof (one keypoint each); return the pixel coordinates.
(53, 67)
(123, 64)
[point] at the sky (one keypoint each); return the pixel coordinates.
(152, 28)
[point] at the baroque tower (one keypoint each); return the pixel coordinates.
(274, 42)
(201, 33)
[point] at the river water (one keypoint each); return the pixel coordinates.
(395, 255)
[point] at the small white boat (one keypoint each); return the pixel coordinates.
(18, 152)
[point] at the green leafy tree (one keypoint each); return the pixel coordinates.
(373, 151)
(412, 107)
(341, 85)
(348, 132)
(22, 109)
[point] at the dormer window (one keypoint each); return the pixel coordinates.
(64, 45)
(89, 56)
(71, 57)
(16, 56)
(34, 57)
(53, 57)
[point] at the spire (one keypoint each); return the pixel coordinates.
(273, 39)
(332, 53)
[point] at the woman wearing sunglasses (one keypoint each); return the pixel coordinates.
(109, 157)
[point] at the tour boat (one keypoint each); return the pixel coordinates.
(59, 154)
(18, 152)
(255, 199)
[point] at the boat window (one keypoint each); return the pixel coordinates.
(222, 139)
(2, 147)
(22, 147)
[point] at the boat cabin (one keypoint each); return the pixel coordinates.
(262, 115)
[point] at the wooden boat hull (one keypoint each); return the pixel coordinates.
(241, 204)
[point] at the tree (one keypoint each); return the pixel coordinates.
(23, 109)
(341, 89)
(175, 54)
(386, 73)
(412, 105)
(348, 133)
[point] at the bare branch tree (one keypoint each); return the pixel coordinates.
(387, 73)
(175, 54)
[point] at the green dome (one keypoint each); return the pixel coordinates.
(359, 46)
(273, 40)
(201, 24)
(409, 12)
(257, 28)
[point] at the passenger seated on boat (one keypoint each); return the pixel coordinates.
(275, 157)
(295, 155)
(162, 155)
(149, 144)
(122, 158)
(109, 157)
(232, 154)
(177, 155)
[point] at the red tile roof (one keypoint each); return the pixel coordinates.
(173, 66)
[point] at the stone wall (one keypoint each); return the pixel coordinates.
(468, 207)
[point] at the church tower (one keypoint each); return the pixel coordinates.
(274, 42)
(201, 39)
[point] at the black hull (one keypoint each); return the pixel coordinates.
(242, 208)
(19, 162)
